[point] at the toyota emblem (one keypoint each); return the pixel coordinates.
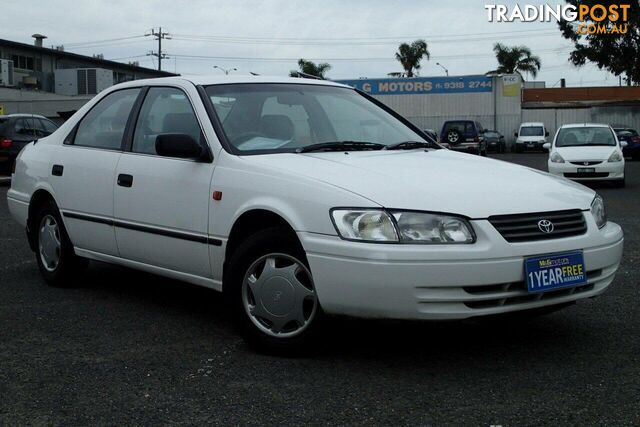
(545, 226)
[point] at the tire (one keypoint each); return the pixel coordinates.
(453, 137)
(483, 151)
(274, 326)
(58, 264)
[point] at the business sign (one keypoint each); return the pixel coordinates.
(422, 85)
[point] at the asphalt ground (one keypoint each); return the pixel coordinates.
(132, 348)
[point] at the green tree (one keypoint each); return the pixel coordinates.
(309, 67)
(410, 55)
(616, 52)
(515, 60)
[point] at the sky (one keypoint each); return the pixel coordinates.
(357, 37)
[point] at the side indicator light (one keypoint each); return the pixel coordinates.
(217, 195)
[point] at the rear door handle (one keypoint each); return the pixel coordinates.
(125, 180)
(57, 170)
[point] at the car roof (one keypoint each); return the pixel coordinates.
(527, 124)
(584, 125)
(232, 79)
(11, 116)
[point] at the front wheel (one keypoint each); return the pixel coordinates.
(57, 262)
(271, 293)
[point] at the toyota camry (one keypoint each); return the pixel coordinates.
(299, 199)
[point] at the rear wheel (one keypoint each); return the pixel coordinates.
(57, 262)
(271, 292)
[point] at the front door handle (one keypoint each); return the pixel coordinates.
(125, 180)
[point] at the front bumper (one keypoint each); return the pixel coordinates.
(602, 171)
(450, 282)
(533, 145)
(472, 147)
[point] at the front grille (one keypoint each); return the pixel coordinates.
(524, 227)
(587, 175)
(586, 163)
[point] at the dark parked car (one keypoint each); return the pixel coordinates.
(495, 141)
(631, 137)
(16, 131)
(464, 135)
(431, 134)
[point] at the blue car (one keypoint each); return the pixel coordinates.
(464, 135)
(631, 137)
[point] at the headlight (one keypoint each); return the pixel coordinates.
(615, 157)
(598, 211)
(365, 225)
(400, 226)
(556, 158)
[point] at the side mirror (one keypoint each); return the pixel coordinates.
(624, 144)
(546, 146)
(515, 134)
(178, 145)
(546, 133)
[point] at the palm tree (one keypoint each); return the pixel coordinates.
(515, 60)
(410, 55)
(308, 67)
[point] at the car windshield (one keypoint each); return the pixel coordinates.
(531, 131)
(277, 118)
(585, 136)
(491, 134)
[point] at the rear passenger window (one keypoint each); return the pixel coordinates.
(24, 127)
(165, 110)
(104, 125)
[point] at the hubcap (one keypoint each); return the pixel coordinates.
(49, 243)
(279, 296)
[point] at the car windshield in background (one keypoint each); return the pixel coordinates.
(280, 118)
(491, 134)
(532, 131)
(585, 136)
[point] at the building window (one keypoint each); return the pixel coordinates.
(23, 62)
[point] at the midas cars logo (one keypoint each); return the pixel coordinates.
(595, 19)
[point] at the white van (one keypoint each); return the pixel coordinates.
(531, 136)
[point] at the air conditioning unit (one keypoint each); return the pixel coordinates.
(6, 73)
(82, 81)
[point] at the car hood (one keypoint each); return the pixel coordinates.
(572, 154)
(436, 180)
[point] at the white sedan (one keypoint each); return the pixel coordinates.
(587, 152)
(299, 199)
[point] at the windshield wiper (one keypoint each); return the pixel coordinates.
(409, 145)
(341, 146)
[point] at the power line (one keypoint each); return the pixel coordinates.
(102, 41)
(427, 37)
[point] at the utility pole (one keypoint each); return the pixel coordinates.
(159, 35)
